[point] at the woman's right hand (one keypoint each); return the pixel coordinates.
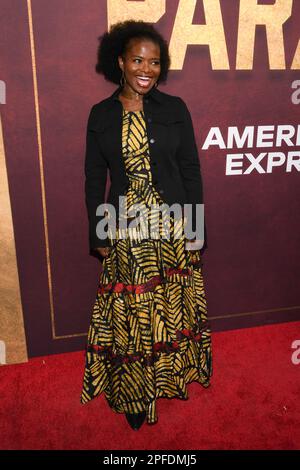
(103, 251)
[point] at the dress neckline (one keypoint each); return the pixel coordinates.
(129, 111)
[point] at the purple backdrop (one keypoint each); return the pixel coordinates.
(251, 266)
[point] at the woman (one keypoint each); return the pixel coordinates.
(149, 335)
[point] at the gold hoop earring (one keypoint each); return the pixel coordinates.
(122, 79)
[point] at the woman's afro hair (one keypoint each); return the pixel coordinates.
(114, 42)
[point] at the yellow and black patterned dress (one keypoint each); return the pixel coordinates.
(149, 335)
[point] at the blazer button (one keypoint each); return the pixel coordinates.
(161, 191)
(152, 141)
(149, 119)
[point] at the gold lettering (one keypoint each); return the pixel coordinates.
(148, 10)
(272, 17)
(184, 32)
(296, 61)
(11, 313)
(211, 33)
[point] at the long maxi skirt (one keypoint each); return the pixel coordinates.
(149, 336)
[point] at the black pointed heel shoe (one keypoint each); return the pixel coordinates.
(136, 419)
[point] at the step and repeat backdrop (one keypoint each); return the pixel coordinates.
(236, 64)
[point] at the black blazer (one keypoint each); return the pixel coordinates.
(173, 152)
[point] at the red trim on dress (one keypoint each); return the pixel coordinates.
(145, 287)
(166, 347)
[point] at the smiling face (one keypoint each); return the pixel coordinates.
(141, 66)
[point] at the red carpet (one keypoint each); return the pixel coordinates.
(252, 403)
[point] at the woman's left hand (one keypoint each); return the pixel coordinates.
(194, 244)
